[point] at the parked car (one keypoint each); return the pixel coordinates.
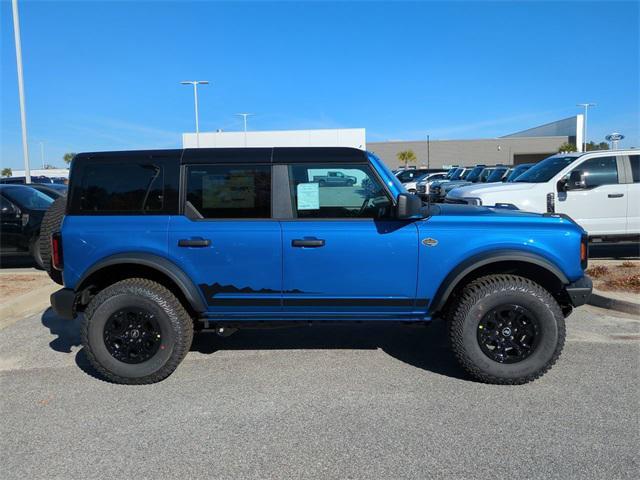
(22, 209)
(335, 179)
(461, 174)
(53, 190)
(517, 171)
(153, 245)
(486, 175)
(23, 180)
(407, 175)
(600, 190)
(458, 195)
(412, 187)
(423, 185)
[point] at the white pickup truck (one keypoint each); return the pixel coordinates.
(600, 190)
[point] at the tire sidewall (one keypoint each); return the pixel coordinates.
(547, 332)
(95, 335)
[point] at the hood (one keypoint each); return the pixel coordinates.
(456, 184)
(486, 188)
(452, 210)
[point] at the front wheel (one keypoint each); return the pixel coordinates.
(136, 332)
(506, 329)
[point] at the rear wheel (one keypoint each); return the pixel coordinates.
(136, 332)
(51, 223)
(506, 329)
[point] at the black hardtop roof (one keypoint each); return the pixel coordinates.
(243, 155)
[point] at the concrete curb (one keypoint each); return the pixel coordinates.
(26, 304)
(602, 301)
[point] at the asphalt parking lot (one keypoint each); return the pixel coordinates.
(365, 401)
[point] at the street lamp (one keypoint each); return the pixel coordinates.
(244, 118)
(23, 113)
(584, 127)
(195, 84)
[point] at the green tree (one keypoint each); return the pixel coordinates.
(597, 146)
(567, 147)
(68, 157)
(406, 156)
(6, 172)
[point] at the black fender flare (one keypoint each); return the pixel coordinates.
(161, 264)
(480, 260)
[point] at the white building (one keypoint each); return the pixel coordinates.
(333, 137)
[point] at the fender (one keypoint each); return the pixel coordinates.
(161, 264)
(503, 255)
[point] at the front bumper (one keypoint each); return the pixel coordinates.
(63, 303)
(580, 291)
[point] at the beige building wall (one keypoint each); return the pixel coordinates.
(507, 151)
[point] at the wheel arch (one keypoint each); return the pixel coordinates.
(145, 265)
(525, 264)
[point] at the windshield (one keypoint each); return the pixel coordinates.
(451, 173)
(545, 170)
(27, 197)
(457, 174)
(474, 174)
(516, 172)
(496, 175)
(409, 175)
(392, 180)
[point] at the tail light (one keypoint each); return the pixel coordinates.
(584, 251)
(56, 251)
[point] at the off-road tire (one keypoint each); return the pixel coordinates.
(175, 323)
(485, 293)
(51, 223)
(36, 252)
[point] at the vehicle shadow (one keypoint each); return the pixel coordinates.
(618, 252)
(17, 261)
(67, 333)
(419, 346)
(424, 347)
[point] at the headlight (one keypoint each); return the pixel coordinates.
(473, 201)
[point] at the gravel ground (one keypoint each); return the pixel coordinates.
(367, 401)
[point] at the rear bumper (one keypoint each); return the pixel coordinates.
(580, 291)
(63, 302)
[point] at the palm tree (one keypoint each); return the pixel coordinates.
(406, 156)
(68, 157)
(6, 172)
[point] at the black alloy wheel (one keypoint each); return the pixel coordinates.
(508, 333)
(132, 335)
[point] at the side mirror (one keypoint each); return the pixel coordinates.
(409, 206)
(577, 181)
(9, 210)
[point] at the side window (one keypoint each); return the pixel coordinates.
(230, 191)
(5, 205)
(358, 194)
(121, 187)
(599, 171)
(635, 167)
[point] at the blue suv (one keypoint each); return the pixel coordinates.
(154, 245)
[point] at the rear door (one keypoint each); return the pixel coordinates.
(633, 192)
(10, 227)
(234, 251)
(601, 207)
(343, 251)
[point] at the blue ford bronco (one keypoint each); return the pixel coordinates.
(152, 246)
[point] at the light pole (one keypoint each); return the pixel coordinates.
(244, 118)
(195, 84)
(42, 153)
(23, 113)
(584, 127)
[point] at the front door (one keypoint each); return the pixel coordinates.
(601, 206)
(234, 251)
(343, 252)
(11, 227)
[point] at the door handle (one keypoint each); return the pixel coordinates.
(194, 242)
(313, 243)
(616, 195)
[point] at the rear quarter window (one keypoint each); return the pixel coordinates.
(635, 167)
(134, 186)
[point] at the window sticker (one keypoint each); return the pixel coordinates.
(308, 196)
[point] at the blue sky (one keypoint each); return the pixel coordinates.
(105, 75)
